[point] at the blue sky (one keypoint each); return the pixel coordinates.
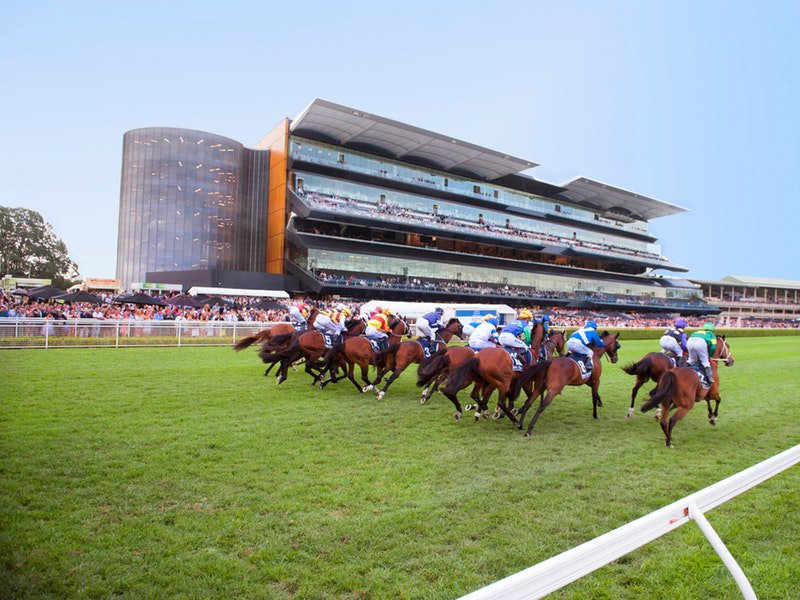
(694, 103)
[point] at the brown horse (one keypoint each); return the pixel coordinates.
(681, 387)
(277, 334)
(433, 371)
(552, 376)
(653, 365)
(310, 345)
(398, 357)
(491, 369)
(357, 350)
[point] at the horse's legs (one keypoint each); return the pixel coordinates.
(502, 392)
(673, 420)
(640, 381)
(399, 367)
(595, 396)
(712, 416)
(351, 367)
(543, 403)
(364, 364)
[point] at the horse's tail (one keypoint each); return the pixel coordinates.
(638, 368)
(272, 353)
(536, 372)
(380, 358)
(280, 340)
(432, 365)
(665, 389)
(459, 378)
(331, 356)
(248, 341)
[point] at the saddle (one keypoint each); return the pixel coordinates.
(585, 364)
(300, 327)
(520, 359)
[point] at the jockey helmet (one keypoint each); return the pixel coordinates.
(525, 314)
(591, 324)
(346, 311)
(387, 312)
(492, 319)
(680, 323)
(489, 317)
(709, 326)
(439, 310)
(341, 307)
(546, 318)
(377, 310)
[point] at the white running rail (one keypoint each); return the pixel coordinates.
(558, 571)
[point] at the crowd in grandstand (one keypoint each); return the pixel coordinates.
(242, 309)
(387, 209)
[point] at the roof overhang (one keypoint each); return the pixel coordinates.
(589, 192)
(354, 128)
(218, 291)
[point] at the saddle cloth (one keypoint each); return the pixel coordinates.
(701, 374)
(330, 339)
(377, 346)
(427, 347)
(517, 362)
(586, 372)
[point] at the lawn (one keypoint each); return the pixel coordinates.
(182, 472)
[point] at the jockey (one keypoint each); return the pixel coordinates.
(378, 327)
(524, 318)
(325, 324)
(485, 334)
(579, 342)
(375, 311)
(340, 317)
(674, 340)
(545, 321)
(429, 324)
(509, 338)
(297, 318)
(702, 344)
(469, 328)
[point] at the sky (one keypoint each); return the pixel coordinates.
(693, 103)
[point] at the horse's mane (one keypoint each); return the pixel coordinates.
(451, 321)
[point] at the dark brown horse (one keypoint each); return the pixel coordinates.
(552, 376)
(433, 371)
(279, 332)
(357, 350)
(653, 365)
(398, 357)
(309, 345)
(491, 369)
(681, 388)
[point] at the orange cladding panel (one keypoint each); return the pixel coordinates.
(277, 141)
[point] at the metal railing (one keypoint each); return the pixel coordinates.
(95, 333)
(556, 572)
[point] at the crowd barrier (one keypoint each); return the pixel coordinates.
(93, 333)
(556, 572)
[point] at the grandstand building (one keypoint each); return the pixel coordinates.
(341, 202)
(741, 297)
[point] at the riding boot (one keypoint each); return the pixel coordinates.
(709, 376)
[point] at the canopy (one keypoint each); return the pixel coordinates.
(184, 300)
(267, 305)
(79, 296)
(142, 299)
(45, 292)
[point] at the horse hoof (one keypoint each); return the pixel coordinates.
(477, 416)
(380, 395)
(485, 416)
(526, 434)
(458, 416)
(366, 388)
(470, 407)
(599, 402)
(423, 399)
(713, 420)
(518, 425)
(630, 414)
(514, 412)
(321, 385)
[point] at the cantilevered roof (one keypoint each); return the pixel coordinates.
(350, 127)
(761, 281)
(607, 197)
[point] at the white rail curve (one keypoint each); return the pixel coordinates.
(556, 572)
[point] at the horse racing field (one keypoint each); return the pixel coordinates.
(183, 472)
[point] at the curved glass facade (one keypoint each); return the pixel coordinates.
(190, 200)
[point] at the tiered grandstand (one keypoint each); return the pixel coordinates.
(741, 297)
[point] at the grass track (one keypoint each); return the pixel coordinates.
(182, 472)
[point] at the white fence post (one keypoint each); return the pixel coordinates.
(180, 327)
(46, 335)
(116, 336)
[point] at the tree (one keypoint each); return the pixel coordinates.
(29, 248)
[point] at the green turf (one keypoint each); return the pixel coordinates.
(166, 472)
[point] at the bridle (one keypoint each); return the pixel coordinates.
(725, 353)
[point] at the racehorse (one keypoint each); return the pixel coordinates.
(681, 387)
(399, 356)
(357, 350)
(490, 369)
(552, 376)
(271, 334)
(653, 365)
(309, 344)
(552, 346)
